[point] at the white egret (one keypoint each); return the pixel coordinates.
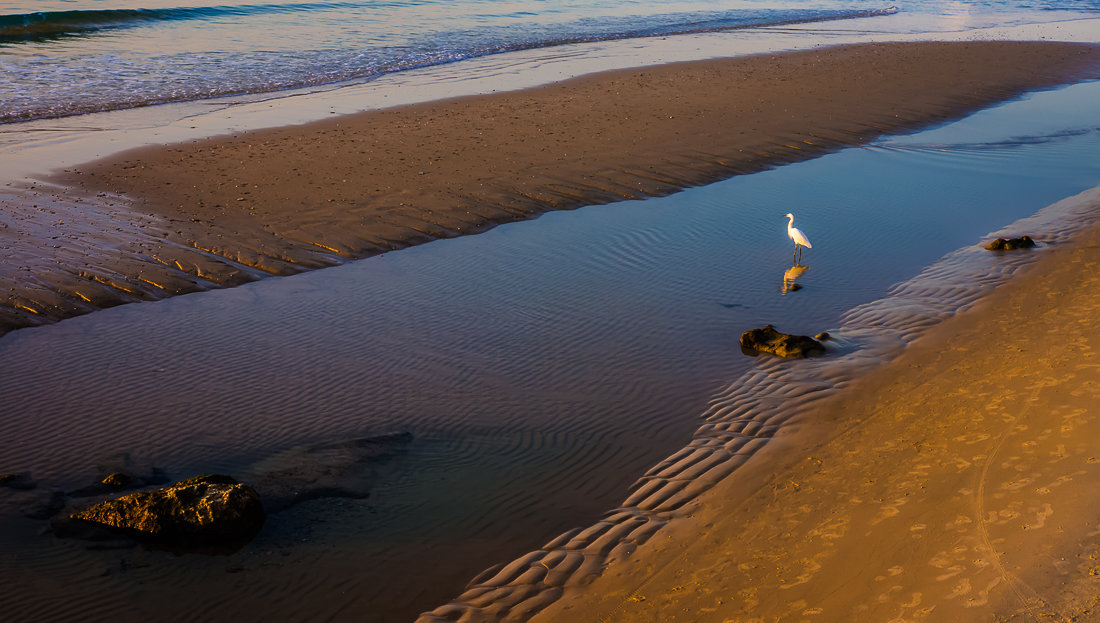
(800, 239)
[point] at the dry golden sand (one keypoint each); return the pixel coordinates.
(233, 209)
(957, 483)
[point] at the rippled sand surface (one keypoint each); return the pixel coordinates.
(541, 367)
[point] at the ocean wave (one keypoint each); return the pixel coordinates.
(100, 83)
(48, 25)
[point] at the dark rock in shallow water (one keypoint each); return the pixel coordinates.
(21, 481)
(204, 510)
(768, 340)
(1011, 244)
(821, 337)
(117, 480)
(343, 469)
(41, 504)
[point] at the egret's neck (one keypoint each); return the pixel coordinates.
(790, 223)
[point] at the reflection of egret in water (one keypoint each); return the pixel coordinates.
(789, 276)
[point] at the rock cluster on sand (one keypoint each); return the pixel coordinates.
(768, 340)
(202, 510)
(1011, 244)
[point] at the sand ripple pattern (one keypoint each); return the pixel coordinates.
(68, 253)
(742, 418)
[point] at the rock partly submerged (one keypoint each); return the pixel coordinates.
(117, 480)
(214, 513)
(768, 340)
(344, 469)
(21, 481)
(121, 472)
(1011, 244)
(204, 510)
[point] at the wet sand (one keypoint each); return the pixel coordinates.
(168, 220)
(956, 483)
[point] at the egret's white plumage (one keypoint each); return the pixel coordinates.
(800, 239)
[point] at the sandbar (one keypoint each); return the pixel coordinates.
(167, 220)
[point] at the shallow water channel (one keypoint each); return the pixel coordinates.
(540, 367)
